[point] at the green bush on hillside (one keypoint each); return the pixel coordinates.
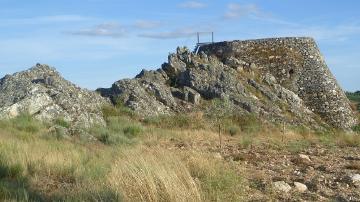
(62, 122)
(26, 123)
(119, 130)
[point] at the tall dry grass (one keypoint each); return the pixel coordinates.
(145, 174)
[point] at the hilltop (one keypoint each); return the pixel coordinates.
(282, 80)
(255, 120)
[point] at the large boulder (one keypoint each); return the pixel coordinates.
(147, 94)
(44, 94)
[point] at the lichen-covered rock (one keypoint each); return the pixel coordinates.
(298, 66)
(147, 93)
(279, 80)
(43, 93)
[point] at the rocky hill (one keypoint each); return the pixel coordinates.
(280, 80)
(43, 93)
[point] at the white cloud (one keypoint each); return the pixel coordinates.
(43, 20)
(180, 33)
(104, 30)
(192, 5)
(235, 10)
(146, 24)
(334, 33)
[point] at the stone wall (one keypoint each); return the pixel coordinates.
(298, 66)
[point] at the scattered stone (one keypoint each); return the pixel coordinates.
(282, 186)
(304, 157)
(355, 178)
(300, 187)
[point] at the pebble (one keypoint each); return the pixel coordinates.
(282, 186)
(300, 187)
(304, 157)
(355, 178)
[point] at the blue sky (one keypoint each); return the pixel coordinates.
(96, 42)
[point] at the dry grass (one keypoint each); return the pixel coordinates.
(353, 165)
(161, 163)
(145, 174)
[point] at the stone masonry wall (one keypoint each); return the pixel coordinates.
(299, 66)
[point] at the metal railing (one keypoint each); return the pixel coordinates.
(199, 44)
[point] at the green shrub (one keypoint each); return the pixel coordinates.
(224, 186)
(109, 111)
(62, 122)
(119, 130)
(8, 170)
(104, 137)
(26, 123)
(356, 128)
(248, 123)
(132, 131)
(183, 121)
(218, 181)
(246, 141)
(302, 130)
(297, 146)
(118, 110)
(233, 130)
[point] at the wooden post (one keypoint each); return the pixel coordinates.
(198, 37)
(212, 37)
(220, 136)
(283, 131)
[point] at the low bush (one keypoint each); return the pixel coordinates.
(26, 123)
(132, 131)
(119, 130)
(62, 122)
(356, 128)
(297, 146)
(118, 110)
(248, 123)
(9, 170)
(182, 121)
(233, 130)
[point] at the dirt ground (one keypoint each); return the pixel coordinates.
(325, 170)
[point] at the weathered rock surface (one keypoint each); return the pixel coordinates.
(282, 186)
(298, 66)
(300, 187)
(280, 80)
(43, 93)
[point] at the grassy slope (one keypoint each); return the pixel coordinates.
(355, 102)
(156, 159)
(355, 98)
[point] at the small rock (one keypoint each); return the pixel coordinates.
(304, 157)
(300, 187)
(218, 156)
(282, 186)
(253, 66)
(191, 96)
(355, 178)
